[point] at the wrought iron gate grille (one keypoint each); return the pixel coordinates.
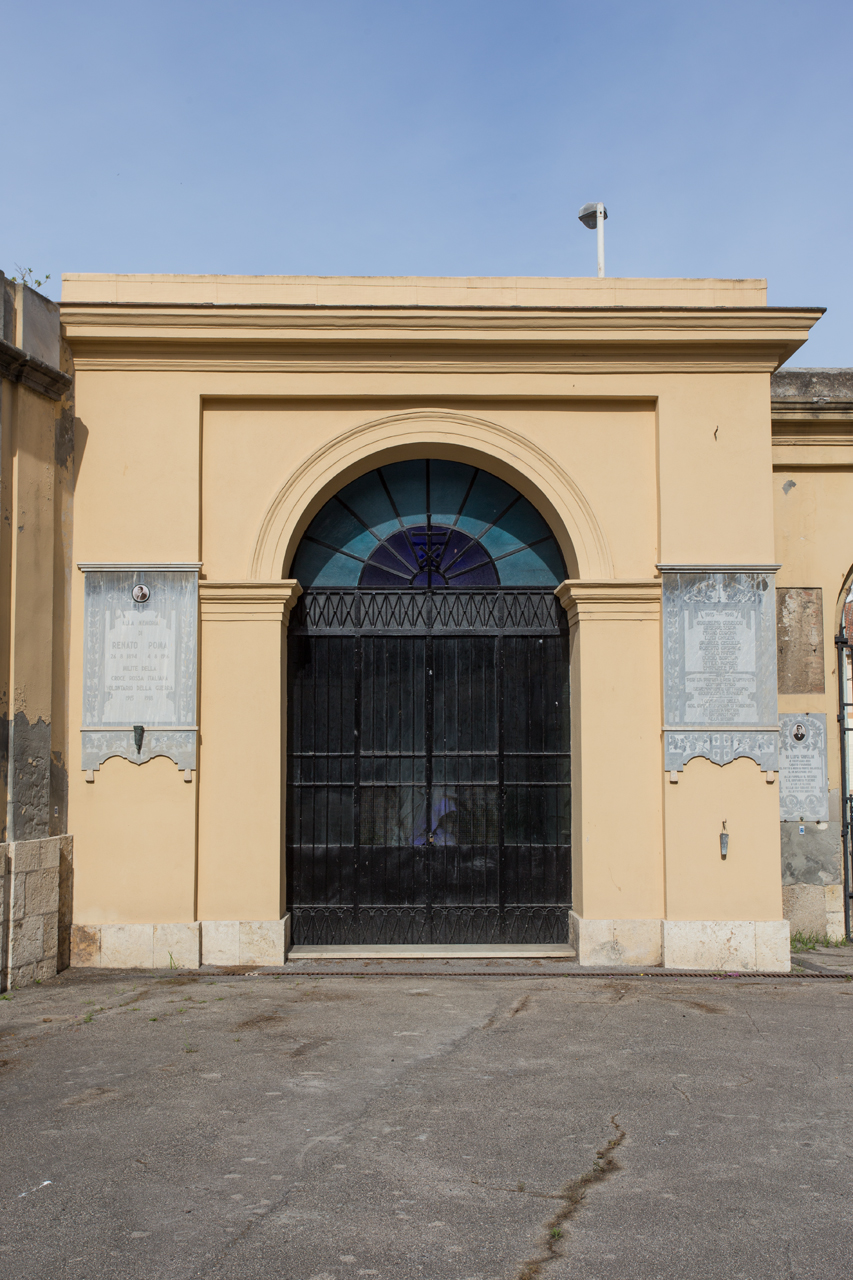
(429, 771)
(844, 651)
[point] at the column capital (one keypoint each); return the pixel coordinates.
(248, 601)
(611, 600)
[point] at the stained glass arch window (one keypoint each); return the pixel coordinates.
(428, 523)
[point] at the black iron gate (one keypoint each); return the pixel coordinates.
(428, 767)
(844, 652)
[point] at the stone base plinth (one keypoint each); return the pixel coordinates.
(228, 942)
(136, 946)
(619, 942)
(180, 946)
(747, 945)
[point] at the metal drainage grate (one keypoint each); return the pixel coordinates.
(491, 973)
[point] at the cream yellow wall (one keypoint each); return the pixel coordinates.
(186, 446)
(814, 543)
(250, 451)
(700, 884)
(134, 843)
(136, 499)
(239, 841)
(64, 575)
(7, 525)
(32, 555)
(715, 470)
(617, 835)
(137, 460)
(242, 757)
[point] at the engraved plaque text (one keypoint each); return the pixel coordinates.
(803, 784)
(719, 666)
(140, 665)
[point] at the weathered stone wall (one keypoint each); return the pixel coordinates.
(826, 386)
(799, 640)
(36, 904)
(815, 909)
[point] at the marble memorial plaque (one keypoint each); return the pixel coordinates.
(140, 665)
(719, 666)
(803, 781)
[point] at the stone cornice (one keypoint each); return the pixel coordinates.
(812, 432)
(812, 424)
(293, 339)
(130, 566)
(31, 372)
(248, 601)
(300, 316)
(611, 600)
(597, 355)
(790, 410)
(835, 434)
(718, 567)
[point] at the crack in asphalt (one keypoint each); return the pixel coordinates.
(501, 1016)
(573, 1196)
(519, 1190)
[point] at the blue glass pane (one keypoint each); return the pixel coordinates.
(525, 523)
(540, 566)
(407, 483)
(368, 499)
(480, 573)
(334, 525)
(422, 556)
(393, 564)
(316, 566)
(518, 528)
(479, 531)
(488, 498)
(448, 485)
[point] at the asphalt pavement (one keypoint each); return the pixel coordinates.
(437, 1123)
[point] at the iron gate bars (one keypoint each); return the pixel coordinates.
(844, 655)
(428, 796)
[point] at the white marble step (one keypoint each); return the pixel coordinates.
(473, 951)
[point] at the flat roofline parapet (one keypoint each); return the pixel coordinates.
(812, 386)
(408, 291)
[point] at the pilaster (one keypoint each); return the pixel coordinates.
(617, 838)
(242, 755)
(248, 601)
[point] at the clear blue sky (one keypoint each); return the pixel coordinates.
(435, 137)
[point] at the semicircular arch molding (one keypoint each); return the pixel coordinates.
(432, 433)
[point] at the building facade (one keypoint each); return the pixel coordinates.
(424, 611)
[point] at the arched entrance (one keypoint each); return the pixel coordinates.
(428, 716)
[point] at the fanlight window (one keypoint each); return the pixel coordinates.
(432, 524)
